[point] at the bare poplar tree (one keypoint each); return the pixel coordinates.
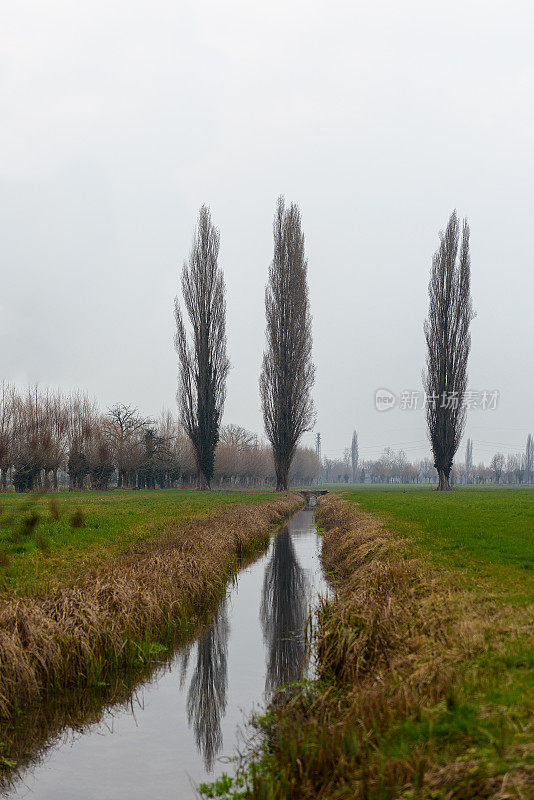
(529, 458)
(287, 374)
(203, 362)
(448, 344)
(469, 461)
(354, 455)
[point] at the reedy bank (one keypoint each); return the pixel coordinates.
(77, 635)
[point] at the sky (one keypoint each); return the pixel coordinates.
(120, 119)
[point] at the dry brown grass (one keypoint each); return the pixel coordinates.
(390, 614)
(76, 635)
(392, 646)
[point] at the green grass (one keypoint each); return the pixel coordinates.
(468, 527)
(55, 551)
(486, 536)
(485, 532)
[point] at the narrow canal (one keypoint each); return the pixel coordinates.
(184, 724)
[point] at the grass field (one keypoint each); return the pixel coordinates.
(426, 656)
(485, 532)
(78, 530)
(470, 527)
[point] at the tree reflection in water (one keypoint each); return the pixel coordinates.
(206, 699)
(283, 613)
(182, 659)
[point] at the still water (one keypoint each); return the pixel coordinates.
(184, 724)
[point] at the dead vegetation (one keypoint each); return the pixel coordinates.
(78, 635)
(390, 716)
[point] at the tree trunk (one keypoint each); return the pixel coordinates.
(282, 477)
(443, 484)
(202, 484)
(4, 480)
(55, 479)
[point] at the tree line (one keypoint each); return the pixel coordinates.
(286, 378)
(393, 466)
(288, 372)
(50, 440)
(47, 438)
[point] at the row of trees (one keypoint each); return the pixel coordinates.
(43, 435)
(391, 467)
(394, 467)
(287, 374)
(286, 380)
(48, 439)
(514, 468)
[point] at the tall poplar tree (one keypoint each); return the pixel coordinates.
(202, 355)
(448, 344)
(288, 372)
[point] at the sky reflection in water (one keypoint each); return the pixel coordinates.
(184, 727)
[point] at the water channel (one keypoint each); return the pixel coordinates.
(182, 726)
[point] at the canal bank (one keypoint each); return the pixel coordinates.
(180, 727)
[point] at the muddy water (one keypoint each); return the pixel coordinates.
(184, 724)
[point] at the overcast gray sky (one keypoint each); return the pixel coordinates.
(119, 119)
